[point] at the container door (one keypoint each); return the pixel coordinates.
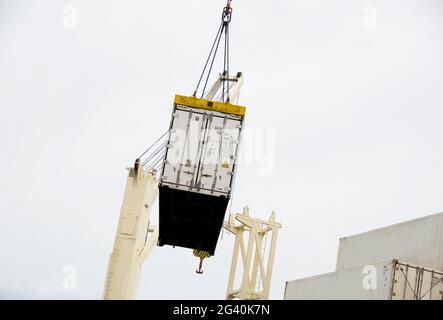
(431, 282)
(416, 283)
(228, 156)
(218, 155)
(187, 131)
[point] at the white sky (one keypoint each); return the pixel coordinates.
(356, 111)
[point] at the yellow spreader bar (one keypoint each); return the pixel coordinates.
(209, 105)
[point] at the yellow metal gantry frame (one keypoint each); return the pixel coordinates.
(257, 270)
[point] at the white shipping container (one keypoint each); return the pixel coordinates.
(198, 171)
(201, 151)
(390, 280)
(418, 241)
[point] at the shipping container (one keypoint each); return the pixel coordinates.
(390, 280)
(418, 241)
(198, 171)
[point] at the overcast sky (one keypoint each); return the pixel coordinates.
(352, 92)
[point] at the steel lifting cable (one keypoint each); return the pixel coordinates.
(212, 62)
(209, 57)
(155, 152)
(152, 145)
(227, 11)
(219, 97)
(223, 30)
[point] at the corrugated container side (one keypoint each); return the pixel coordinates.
(382, 281)
(343, 285)
(418, 241)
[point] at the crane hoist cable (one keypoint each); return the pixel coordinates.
(223, 30)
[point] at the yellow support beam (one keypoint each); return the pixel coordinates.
(209, 105)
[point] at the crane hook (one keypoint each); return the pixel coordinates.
(200, 270)
(201, 255)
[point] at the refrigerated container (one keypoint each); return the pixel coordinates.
(391, 280)
(198, 171)
(418, 241)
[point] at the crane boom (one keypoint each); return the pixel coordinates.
(135, 238)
